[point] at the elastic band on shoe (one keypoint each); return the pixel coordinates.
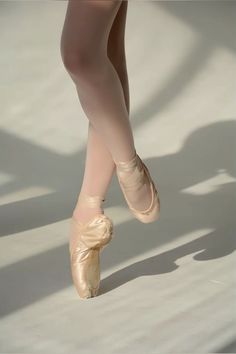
(91, 201)
(127, 165)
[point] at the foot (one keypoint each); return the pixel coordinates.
(86, 241)
(90, 232)
(141, 198)
(137, 185)
(139, 189)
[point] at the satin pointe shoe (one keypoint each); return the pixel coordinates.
(133, 181)
(86, 241)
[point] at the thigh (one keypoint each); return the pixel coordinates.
(87, 26)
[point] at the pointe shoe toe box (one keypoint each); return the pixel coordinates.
(86, 240)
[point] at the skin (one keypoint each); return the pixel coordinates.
(116, 49)
(115, 42)
(93, 52)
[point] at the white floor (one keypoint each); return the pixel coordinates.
(169, 286)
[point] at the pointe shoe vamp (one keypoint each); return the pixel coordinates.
(94, 234)
(133, 181)
(131, 175)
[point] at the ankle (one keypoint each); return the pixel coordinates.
(88, 206)
(85, 214)
(127, 162)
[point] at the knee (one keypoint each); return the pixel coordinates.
(82, 62)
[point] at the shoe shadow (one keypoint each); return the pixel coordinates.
(201, 163)
(206, 153)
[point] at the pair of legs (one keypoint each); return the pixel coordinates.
(93, 52)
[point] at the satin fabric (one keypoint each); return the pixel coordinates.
(133, 181)
(86, 241)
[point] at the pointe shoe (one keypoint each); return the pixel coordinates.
(134, 182)
(86, 241)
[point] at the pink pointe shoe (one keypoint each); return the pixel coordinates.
(86, 241)
(133, 182)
